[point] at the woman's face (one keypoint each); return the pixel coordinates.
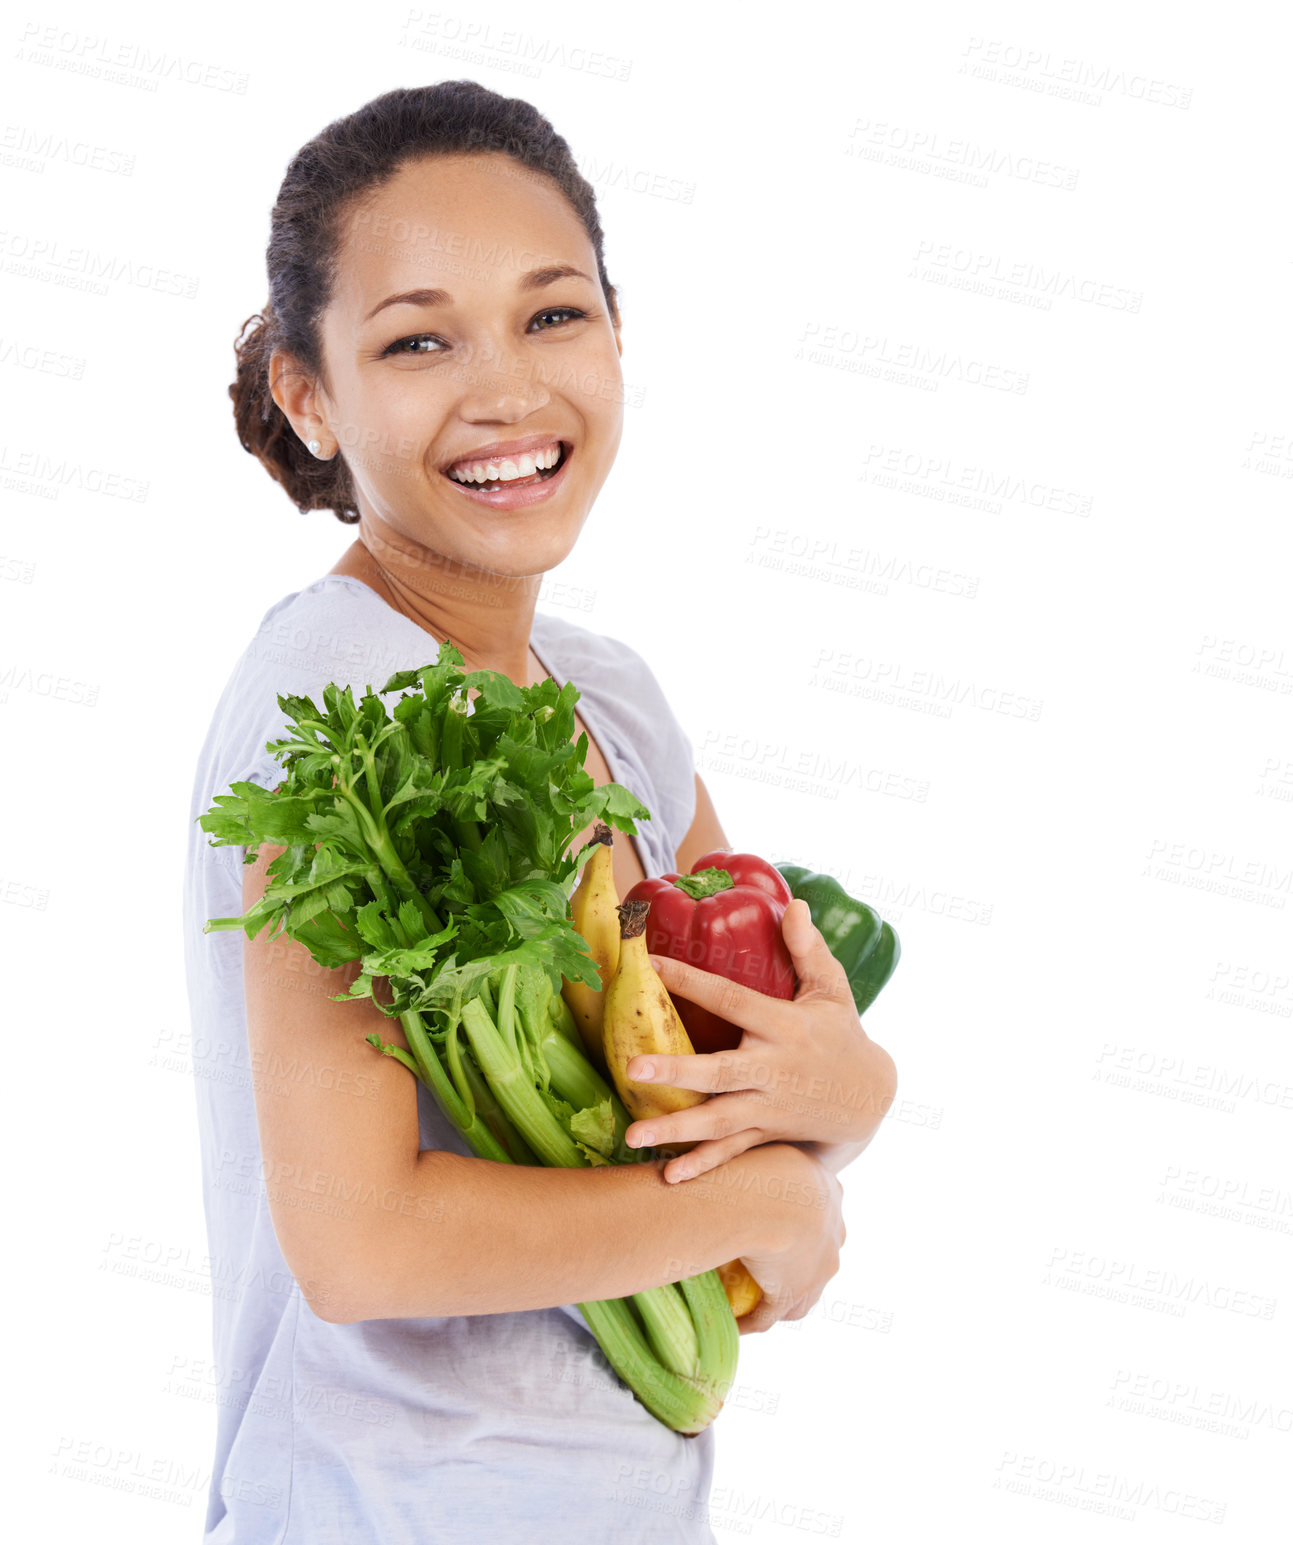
(503, 352)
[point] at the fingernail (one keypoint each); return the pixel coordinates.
(644, 1139)
(647, 1070)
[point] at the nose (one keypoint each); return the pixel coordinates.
(498, 386)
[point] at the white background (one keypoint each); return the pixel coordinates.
(1016, 664)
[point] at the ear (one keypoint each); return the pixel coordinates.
(299, 396)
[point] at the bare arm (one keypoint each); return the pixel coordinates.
(706, 831)
(405, 1232)
(833, 1155)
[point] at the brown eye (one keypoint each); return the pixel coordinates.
(398, 346)
(565, 312)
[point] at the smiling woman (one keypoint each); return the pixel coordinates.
(439, 365)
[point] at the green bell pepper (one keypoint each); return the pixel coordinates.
(863, 943)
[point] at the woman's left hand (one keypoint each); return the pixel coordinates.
(805, 1070)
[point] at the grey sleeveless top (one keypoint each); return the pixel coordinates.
(407, 1431)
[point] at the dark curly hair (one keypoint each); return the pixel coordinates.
(327, 178)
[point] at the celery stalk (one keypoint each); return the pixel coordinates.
(564, 1020)
(670, 1328)
(510, 1028)
(524, 1106)
(575, 1079)
(716, 1331)
(491, 1113)
(473, 1129)
(678, 1402)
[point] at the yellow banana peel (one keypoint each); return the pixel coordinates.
(594, 914)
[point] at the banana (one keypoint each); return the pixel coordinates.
(743, 1292)
(639, 1017)
(593, 914)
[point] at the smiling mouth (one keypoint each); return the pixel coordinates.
(492, 484)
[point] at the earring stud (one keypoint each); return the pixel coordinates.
(312, 446)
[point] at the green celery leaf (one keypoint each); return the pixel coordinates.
(457, 887)
(412, 921)
(421, 782)
(251, 815)
(431, 678)
(530, 766)
(532, 905)
(422, 956)
(329, 943)
(487, 867)
(340, 704)
(595, 1127)
(402, 680)
(298, 708)
(621, 807)
(374, 928)
(497, 690)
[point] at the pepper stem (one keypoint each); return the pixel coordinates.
(705, 882)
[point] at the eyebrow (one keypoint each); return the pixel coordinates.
(535, 279)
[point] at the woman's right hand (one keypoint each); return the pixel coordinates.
(800, 1232)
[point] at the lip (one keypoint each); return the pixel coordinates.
(509, 497)
(496, 450)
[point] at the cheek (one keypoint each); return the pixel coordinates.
(598, 391)
(397, 422)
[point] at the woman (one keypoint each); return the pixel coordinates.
(395, 1317)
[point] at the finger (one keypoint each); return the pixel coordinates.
(777, 1304)
(774, 1311)
(706, 1072)
(722, 1116)
(763, 1316)
(707, 1156)
(733, 1001)
(820, 974)
(802, 1305)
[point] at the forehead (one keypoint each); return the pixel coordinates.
(469, 224)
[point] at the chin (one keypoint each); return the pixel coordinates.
(530, 548)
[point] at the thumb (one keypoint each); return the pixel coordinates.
(815, 966)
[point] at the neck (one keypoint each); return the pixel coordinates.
(487, 615)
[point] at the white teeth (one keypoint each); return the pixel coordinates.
(508, 470)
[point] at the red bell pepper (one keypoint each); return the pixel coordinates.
(725, 917)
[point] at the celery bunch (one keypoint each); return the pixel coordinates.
(431, 843)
